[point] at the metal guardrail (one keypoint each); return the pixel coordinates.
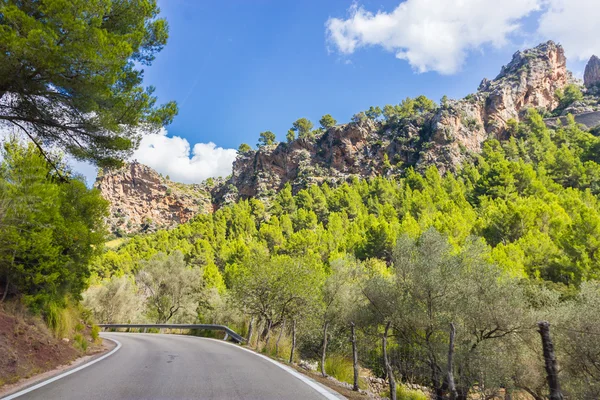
(228, 332)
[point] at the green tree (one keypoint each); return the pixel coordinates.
(278, 288)
(266, 138)
(51, 228)
(290, 136)
(568, 95)
(304, 128)
(374, 113)
(114, 302)
(69, 74)
(327, 121)
(244, 148)
(170, 286)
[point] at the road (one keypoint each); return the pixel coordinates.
(153, 366)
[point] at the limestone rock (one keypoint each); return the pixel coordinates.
(143, 201)
(591, 76)
(530, 80)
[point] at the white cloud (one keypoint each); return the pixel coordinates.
(167, 155)
(432, 35)
(436, 35)
(573, 23)
(172, 156)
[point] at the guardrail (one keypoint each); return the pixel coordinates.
(228, 332)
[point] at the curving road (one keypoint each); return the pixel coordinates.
(152, 366)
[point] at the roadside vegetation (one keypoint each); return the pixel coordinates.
(509, 240)
(70, 86)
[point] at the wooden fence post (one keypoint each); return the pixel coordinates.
(550, 361)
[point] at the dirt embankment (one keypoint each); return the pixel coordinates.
(28, 348)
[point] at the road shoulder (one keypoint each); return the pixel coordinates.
(8, 390)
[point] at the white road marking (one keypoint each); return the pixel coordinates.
(313, 384)
(49, 381)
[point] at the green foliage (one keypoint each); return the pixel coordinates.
(374, 113)
(291, 135)
(266, 138)
(403, 393)
(80, 342)
(244, 148)
(304, 128)
(568, 95)
(95, 333)
(51, 228)
(170, 286)
(113, 301)
(509, 238)
(408, 108)
(327, 121)
(70, 69)
(341, 368)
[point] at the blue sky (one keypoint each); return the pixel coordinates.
(239, 67)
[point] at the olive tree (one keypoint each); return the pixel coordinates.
(170, 287)
(115, 301)
(277, 288)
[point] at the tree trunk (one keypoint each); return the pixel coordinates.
(250, 329)
(354, 357)
(268, 335)
(259, 328)
(324, 352)
(550, 360)
(386, 361)
(279, 338)
(450, 378)
(293, 341)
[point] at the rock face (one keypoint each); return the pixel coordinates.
(530, 80)
(143, 201)
(442, 138)
(360, 149)
(591, 76)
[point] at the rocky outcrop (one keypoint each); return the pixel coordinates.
(141, 200)
(530, 80)
(442, 138)
(591, 76)
(359, 149)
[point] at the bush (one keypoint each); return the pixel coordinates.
(403, 393)
(95, 332)
(341, 368)
(80, 342)
(61, 320)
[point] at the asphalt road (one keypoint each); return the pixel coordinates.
(152, 366)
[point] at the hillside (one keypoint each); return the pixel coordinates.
(372, 145)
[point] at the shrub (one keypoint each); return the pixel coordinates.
(341, 368)
(80, 342)
(61, 321)
(403, 393)
(95, 332)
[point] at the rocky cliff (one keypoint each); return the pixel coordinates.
(442, 138)
(530, 80)
(141, 200)
(591, 75)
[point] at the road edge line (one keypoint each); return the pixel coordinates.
(329, 394)
(65, 374)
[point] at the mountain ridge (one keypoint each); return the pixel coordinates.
(141, 200)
